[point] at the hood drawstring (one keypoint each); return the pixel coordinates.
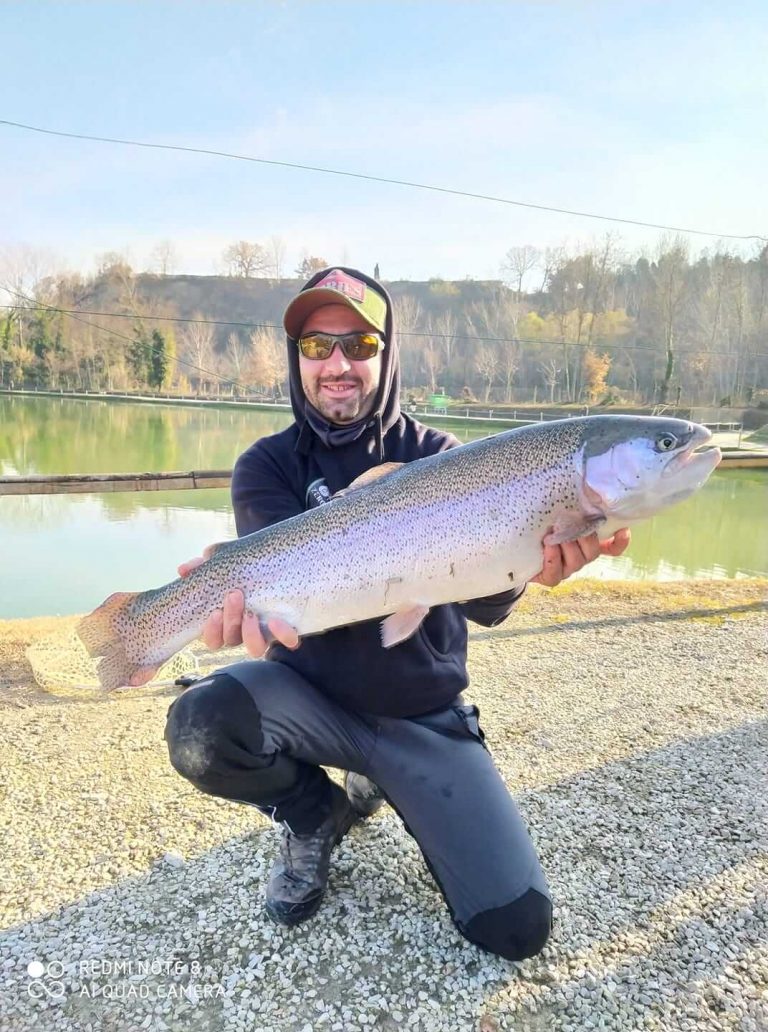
(379, 433)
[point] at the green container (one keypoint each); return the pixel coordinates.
(438, 400)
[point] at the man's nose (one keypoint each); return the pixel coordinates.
(337, 362)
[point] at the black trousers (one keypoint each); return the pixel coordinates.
(257, 732)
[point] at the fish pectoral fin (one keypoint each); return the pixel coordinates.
(571, 526)
(370, 477)
(402, 625)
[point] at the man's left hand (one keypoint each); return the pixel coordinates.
(561, 561)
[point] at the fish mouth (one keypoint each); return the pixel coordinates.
(699, 457)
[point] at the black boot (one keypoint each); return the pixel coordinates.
(299, 875)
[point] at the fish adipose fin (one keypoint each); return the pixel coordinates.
(402, 625)
(100, 634)
(571, 526)
(370, 477)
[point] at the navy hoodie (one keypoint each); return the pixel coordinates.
(300, 467)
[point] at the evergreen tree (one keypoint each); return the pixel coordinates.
(158, 361)
(139, 357)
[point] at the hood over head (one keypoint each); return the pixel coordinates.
(341, 285)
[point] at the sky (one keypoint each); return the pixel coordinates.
(648, 111)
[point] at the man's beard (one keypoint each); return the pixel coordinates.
(343, 411)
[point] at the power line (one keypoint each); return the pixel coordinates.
(400, 333)
(375, 179)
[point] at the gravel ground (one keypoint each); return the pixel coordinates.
(628, 720)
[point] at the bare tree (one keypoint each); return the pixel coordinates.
(510, 363)
(550, 260)
(518, 262)
(276, 250)
(407, 317)
(432, 358)
(407, 312)
(551, 375)
(267, 365)
(238, 352)
(23, 268)
(487, 366)
(437, 345)
(197, 347)
(309, 265)
(164, 258)
(669, 276)
(498, 318)
(245, 259)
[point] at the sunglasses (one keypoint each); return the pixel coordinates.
(357, 347)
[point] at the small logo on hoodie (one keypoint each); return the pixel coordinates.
(318, 493)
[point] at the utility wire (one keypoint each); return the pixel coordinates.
(400, 333)
(375, 179)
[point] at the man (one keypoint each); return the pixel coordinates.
(260, 733)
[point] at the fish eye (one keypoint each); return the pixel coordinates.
(666, 442)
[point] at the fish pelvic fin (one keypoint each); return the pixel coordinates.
(100, 633)
(572, 526)
(402, 625)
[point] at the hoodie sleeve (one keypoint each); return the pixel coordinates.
(261, 495)
(493, 610)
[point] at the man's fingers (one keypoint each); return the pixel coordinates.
(618, 543)
(573, 557)
(284, 633)
(213, 631)
(257, 641)
(552, 570)
(191, 564)
(253, 639)
(590, 547)
(234, 605)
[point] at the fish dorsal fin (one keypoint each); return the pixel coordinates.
(370, 477)
(210, 550)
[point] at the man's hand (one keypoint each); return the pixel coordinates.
(560, 561)
(232, 625)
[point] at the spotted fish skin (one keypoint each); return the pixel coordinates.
(462, 524)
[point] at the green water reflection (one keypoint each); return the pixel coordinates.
(65, 553)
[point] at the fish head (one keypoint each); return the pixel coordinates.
(631, 467)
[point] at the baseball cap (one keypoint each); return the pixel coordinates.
(336, 287)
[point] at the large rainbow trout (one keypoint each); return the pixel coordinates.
(463, 524)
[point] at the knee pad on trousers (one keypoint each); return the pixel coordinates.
(210, 726)
(515, 931)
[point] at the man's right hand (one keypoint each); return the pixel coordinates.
(232, 625)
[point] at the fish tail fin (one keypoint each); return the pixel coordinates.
(101, 634)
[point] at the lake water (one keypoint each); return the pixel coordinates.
(66, 553)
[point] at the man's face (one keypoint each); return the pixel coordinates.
(341, 390)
